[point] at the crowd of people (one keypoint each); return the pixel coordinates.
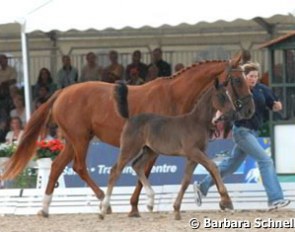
(12, 103)
(12, 107)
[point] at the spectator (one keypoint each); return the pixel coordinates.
(135, 79)
(19, 110)
(91, 71)
(6, 102)
(44, 78)
(13, 91)
(43, 96)
(16, 131)
(68, 74)
(178, 67)
(114, 71)
(3, 129)
(163, 66)
(136, 63)
(8, 74)
(153, 72)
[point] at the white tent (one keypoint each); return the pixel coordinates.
(63, 15)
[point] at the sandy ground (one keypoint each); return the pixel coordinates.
(149, 222)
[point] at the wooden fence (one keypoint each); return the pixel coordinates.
(82, 200)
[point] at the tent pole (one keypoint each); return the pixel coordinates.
(27, 85)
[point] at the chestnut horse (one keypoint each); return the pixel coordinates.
(147, 135)
(87, 109)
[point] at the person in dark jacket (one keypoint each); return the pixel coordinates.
(164, 68)
(246, 143)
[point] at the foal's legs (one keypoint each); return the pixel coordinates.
(138, 166)
(57, 167)
(135, 196)
(126, 155)
(198, 156)
(189, 169)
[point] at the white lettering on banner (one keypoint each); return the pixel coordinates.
(69, 171)
(164, 169)
(102, 169)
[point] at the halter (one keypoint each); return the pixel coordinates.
(239, 102)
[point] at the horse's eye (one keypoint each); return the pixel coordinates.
(237, 81)
(222, 98)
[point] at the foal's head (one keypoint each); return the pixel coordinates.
(221, 101)
(237, 90)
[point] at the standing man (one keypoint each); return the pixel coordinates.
(68, 74)
(91, 71)
(8, 76)
(114, 71)
(138, 65)
(163, 66)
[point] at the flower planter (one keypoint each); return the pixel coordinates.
(44, 163)
(44, 166)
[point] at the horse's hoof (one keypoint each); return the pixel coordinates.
(226, 206)
(150, 208)
(134, 214)
(43, 214)
(177, 216)
(109, 210)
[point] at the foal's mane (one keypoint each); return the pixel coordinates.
(204, 93)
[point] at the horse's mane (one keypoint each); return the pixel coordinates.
(198, 64)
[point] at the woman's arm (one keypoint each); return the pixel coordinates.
(277, 106)
(272, 100)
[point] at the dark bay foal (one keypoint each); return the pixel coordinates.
(146, 135)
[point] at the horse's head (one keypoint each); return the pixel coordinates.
(222, 102)
(237, 89)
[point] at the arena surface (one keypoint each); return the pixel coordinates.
(149, 222)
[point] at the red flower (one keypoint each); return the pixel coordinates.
(43, 144)
(49, 149)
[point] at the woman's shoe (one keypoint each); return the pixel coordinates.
(278, 204)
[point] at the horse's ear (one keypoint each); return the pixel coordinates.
(235, 61)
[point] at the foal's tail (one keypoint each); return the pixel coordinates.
(120, 95)
(26, 147)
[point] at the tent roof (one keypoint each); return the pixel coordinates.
(283, 24)
(64, 15)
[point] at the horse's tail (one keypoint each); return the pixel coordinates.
(120, 95)
(27, 146)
